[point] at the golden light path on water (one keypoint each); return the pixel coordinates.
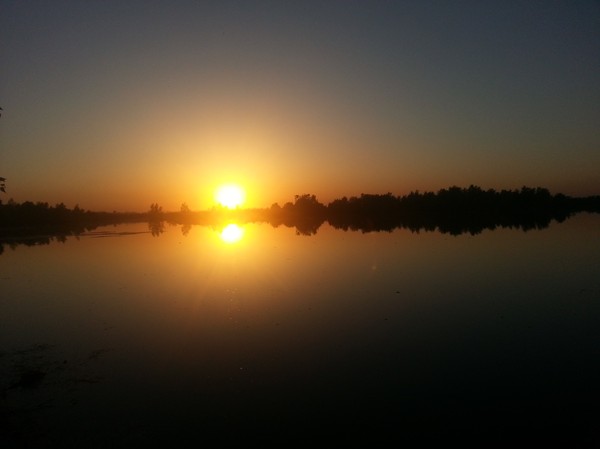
(232, 233)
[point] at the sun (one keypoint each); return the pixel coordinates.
(230, 196)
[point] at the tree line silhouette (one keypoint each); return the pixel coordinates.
(453, 210)
(457, 210)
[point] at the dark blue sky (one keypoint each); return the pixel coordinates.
(101, 99)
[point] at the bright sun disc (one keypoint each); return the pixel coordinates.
(230, 196)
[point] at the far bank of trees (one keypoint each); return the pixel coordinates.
(42, 215)
(453, 210)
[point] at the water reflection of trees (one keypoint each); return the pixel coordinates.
(185, 229)
(30, 240)
(39, 223)
(451, 211)
(156, 227)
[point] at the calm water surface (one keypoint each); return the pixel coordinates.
(122, 339)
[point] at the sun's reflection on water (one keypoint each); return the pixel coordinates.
(232, 233)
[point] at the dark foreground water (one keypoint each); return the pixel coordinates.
(124, 339)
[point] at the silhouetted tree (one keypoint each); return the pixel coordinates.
(155, 209)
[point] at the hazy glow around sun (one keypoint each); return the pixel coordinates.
(230, 196)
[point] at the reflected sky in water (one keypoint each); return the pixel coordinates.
(255, 328)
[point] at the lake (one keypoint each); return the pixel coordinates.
(122, 338)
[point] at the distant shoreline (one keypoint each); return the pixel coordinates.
(454, 210)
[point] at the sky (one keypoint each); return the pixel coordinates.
(114, 105)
